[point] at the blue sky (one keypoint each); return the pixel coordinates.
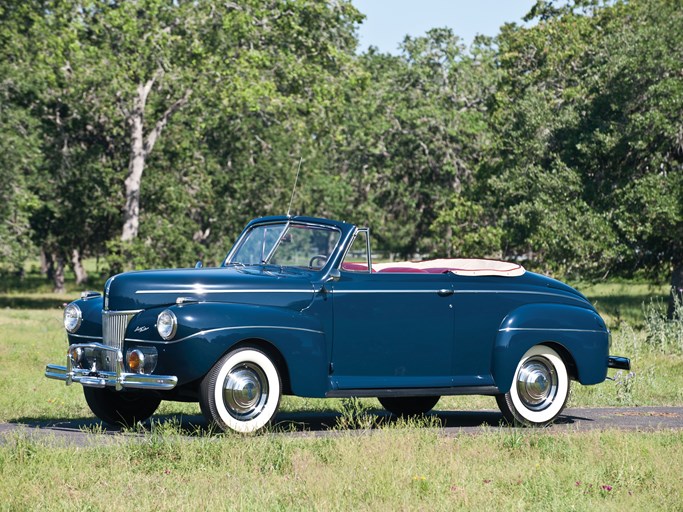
(388, 21)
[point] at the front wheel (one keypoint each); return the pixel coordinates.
(241, 392)
(540, 388)
(409, 405)
(119, 407)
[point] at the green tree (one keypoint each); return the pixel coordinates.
(19, 147)
(410, 141)
(112, 80)
(587, 159)
(275, 105)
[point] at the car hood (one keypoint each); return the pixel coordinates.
(268, 286)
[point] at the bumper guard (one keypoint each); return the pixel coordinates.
(100, 379)
(620, 363)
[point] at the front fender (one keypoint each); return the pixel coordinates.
(91, 326)
(206, 331)
(579, 333)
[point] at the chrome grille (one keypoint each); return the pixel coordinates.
(114, 325)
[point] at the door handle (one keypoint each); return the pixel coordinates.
(444, 292)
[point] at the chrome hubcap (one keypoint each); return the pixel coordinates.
(537, 383)
(245, 391)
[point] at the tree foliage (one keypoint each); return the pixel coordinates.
(150, 131)
(587, 161)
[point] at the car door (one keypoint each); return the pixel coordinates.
(392, 329)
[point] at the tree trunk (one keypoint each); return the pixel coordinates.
(46, 264)
(136, 164)
(449, 243)
(140, 148)
(79, 269)
(676, 291)
(58, 273)
(131, 211)
(43, 262)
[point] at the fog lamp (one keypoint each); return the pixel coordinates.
(76, 354)
(142, 359)
(136, 361)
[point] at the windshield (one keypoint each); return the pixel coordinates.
(287, 245)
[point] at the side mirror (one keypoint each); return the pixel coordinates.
(334, 275)
(198, 264)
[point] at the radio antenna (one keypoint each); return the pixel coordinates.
(291, 199)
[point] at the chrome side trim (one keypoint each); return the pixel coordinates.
(463, 292)
(385, 291)
(510, 329)
(85, 336)
(209, 331)
(525, 292)
(202, 291)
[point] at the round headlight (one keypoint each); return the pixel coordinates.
(167, 323)
(72, 317)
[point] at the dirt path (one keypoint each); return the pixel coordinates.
(85, 431)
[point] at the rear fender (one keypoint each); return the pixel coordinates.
(578, 334)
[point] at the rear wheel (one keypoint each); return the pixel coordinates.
(242, 391)
(409, 405)
(539, 390)
(123, 408)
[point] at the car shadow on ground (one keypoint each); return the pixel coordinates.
(304, 423)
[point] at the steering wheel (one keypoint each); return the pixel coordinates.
(318, 257)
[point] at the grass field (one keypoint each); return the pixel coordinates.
(623, 301)
(402, 466)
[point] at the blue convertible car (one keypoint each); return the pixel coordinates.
(299, 308)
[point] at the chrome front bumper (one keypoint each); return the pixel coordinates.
(99, 378)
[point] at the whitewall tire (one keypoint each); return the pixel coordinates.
(242, 391)
(540, 388)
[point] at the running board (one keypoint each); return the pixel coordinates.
(365, 393)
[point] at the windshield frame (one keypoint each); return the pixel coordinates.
(286, 223)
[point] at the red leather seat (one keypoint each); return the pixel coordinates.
(355, 267)
(405, 270)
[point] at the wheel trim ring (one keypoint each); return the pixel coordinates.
(216, 404)
(537, 383)
(245, 391)
(519, 409)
